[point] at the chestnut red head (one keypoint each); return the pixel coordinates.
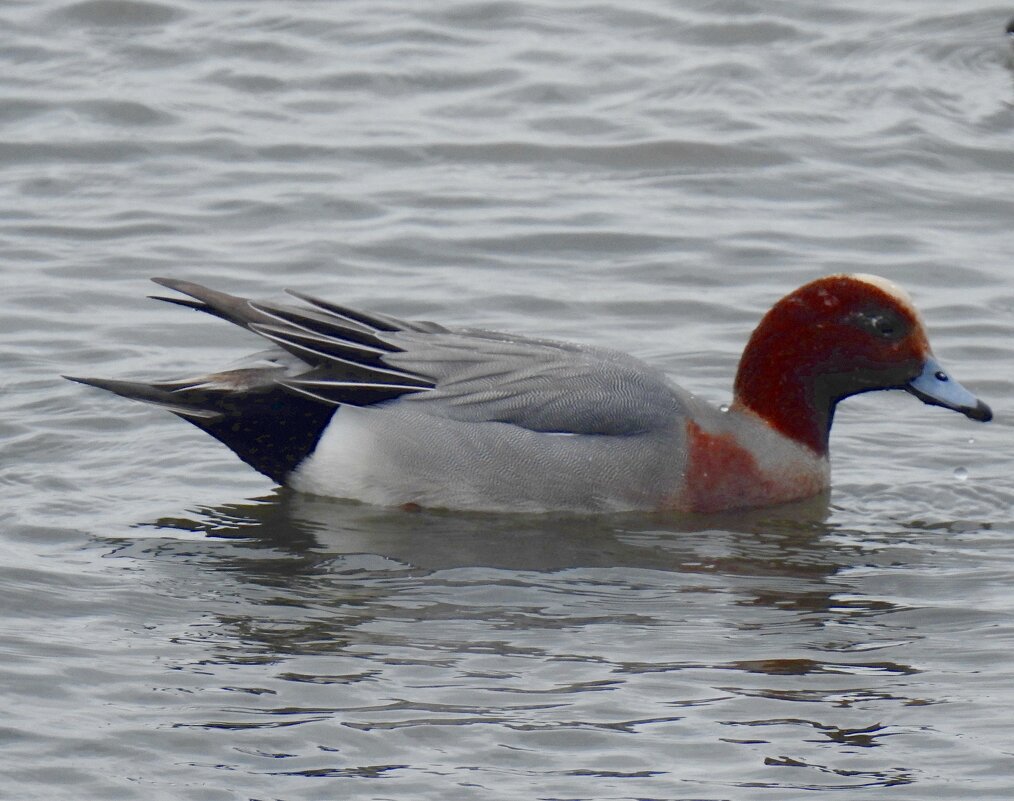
(835, 337)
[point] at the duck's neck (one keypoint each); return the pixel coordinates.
(779, 380)
(794, 413)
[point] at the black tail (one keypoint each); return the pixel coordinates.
(272, 415)
(268, 427)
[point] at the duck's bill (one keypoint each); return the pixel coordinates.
(935, 387)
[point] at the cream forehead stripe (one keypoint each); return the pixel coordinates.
(889, 287)
(893, 290)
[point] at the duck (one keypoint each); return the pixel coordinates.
(413, 414)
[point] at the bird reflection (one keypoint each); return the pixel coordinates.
(770, 541)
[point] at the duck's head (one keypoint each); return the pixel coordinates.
(835, 337)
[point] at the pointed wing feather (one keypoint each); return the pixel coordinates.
(335, 393)
(338, 346)
(346, 360)
(319, 322)
(377, 322)
(470, 375)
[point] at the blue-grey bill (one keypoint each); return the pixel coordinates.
(935, 387)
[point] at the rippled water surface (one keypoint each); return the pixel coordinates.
(644, 175)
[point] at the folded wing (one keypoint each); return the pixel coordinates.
(273, 412)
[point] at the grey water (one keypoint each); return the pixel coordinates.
(645, 175)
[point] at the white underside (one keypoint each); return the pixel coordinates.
(396, 455)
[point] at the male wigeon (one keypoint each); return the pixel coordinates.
(395, 412)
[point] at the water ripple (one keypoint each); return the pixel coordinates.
(117, 13)
(645, 176)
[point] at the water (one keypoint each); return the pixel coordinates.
(645, 175)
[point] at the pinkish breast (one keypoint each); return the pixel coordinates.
(722, 474)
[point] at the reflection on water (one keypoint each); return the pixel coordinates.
(389, 644)
(436, 540)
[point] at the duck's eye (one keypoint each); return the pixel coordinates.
(883, 325)
(879, 323)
